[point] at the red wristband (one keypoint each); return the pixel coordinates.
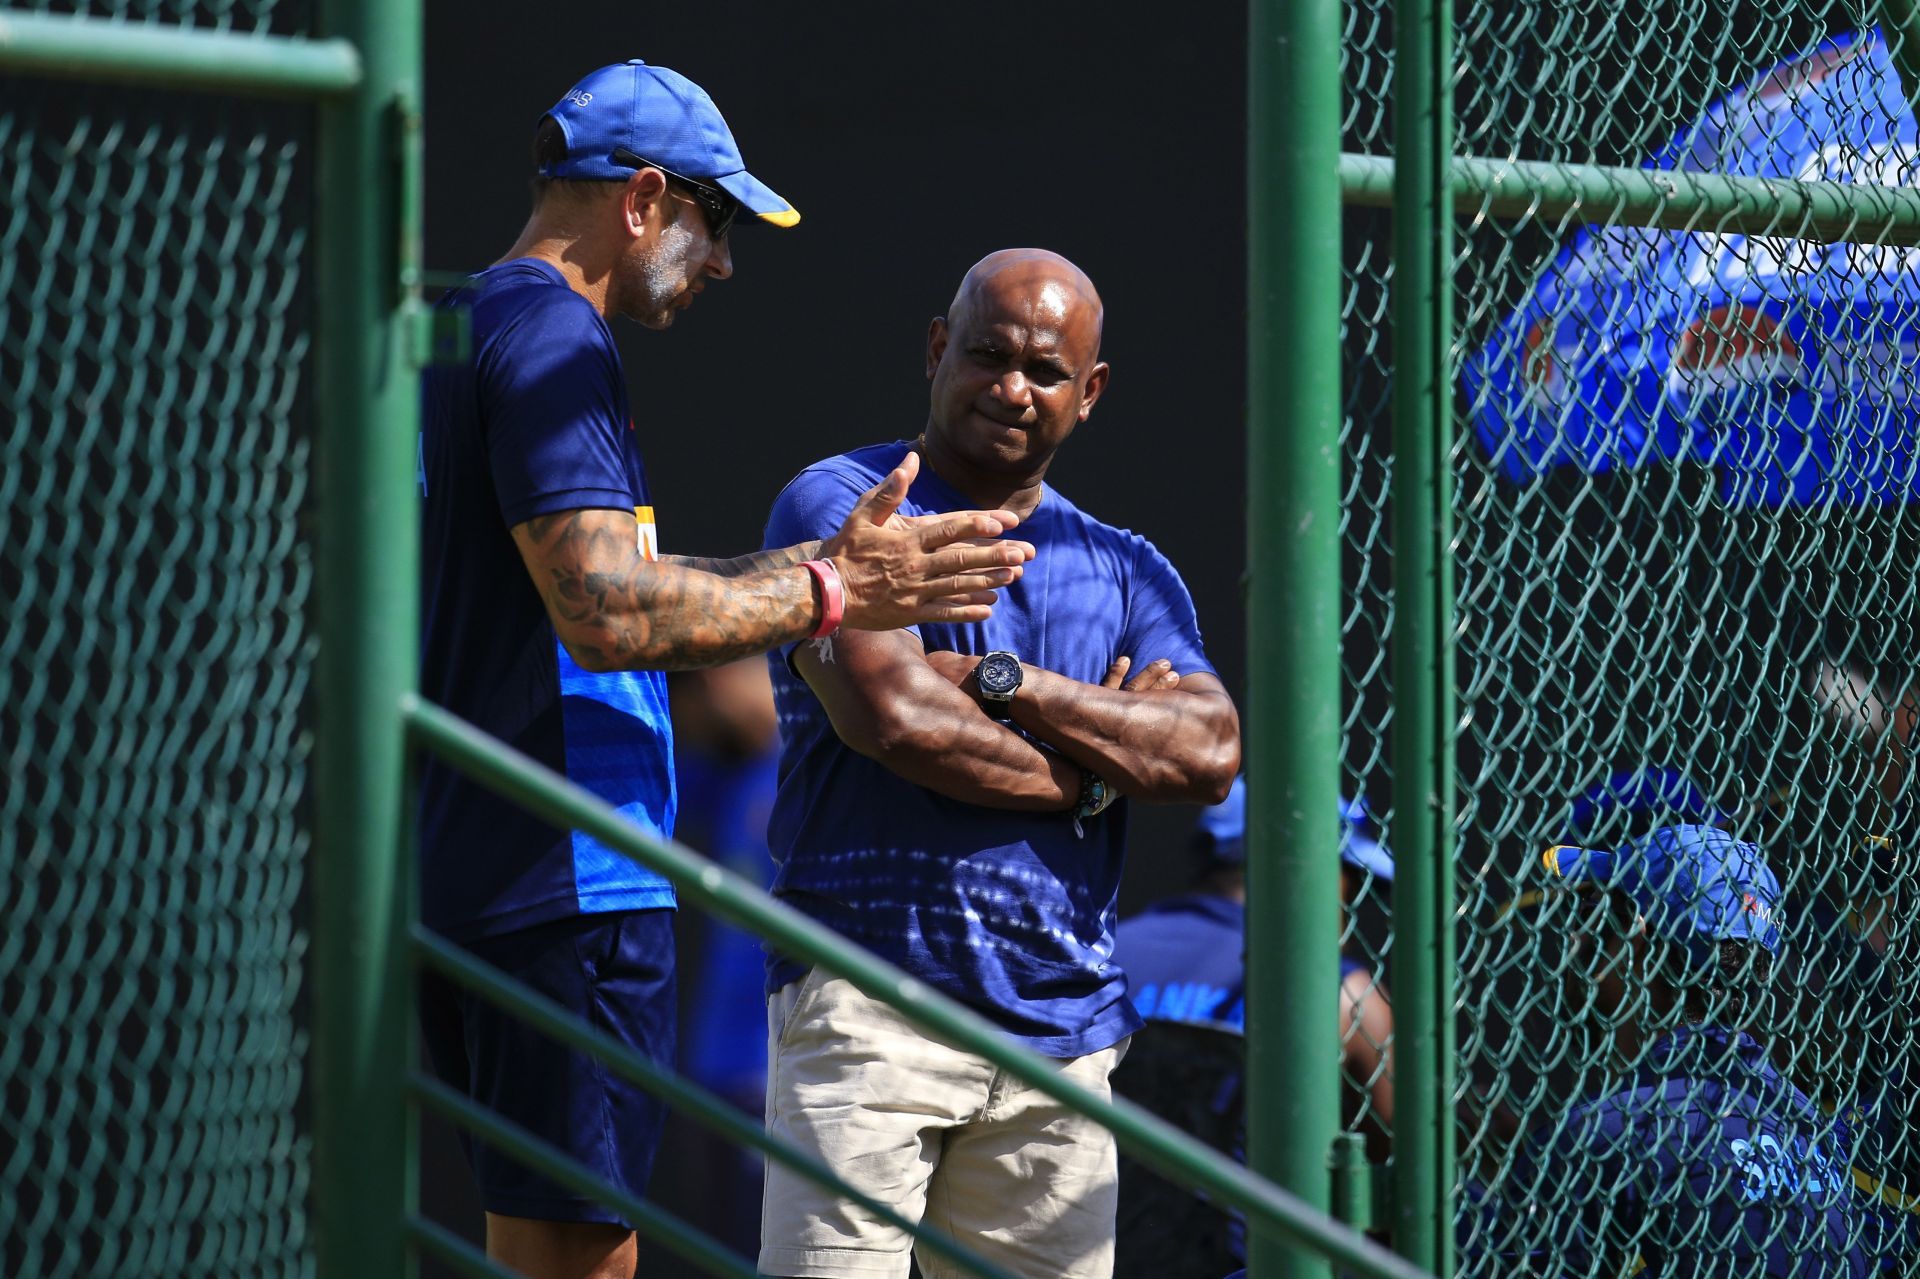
(833, 596)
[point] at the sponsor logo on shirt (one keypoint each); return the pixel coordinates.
(649, 536)
(1775, 1170)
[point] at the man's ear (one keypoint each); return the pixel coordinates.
(1096, 385)
(644, 192)
(936, 344)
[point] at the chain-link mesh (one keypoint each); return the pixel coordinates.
(279, 17)
(1686, 563)
(154, 586)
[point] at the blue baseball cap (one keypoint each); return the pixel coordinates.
(1655, 788)
(1222, 829)
(661, 116)
(1222, 833)
(1694, 885)
(1357, 848)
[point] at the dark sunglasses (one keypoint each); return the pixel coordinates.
(719, 207)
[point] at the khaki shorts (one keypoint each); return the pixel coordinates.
(939, 1135)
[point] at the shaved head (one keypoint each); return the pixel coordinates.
(1015, 366)
(1038, 274)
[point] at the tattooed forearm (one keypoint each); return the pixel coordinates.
(740, 565)
(617, 611)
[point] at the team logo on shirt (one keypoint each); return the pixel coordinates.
(649, 536)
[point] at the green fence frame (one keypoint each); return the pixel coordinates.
(364, 74)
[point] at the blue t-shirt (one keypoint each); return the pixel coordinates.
(1707, 1163)
(1185, 959)
(1011, 912)
(536, 422)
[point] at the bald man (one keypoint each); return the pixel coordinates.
(954, 798)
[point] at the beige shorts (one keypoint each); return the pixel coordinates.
(938, 1134)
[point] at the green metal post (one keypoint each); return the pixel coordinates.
(1293, 605)
(367, 397)
(1900, 25)
(1423, 688)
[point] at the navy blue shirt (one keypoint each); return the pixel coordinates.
(536, 422)
(1706, 1163)
(1185, 959)
(1010, 912)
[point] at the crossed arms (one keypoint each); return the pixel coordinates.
(1160, 738)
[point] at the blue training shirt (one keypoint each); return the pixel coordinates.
(1185, 959)
(1706, 1163)
(1011, 912)
(536, 422)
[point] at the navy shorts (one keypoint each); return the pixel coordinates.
(615, 971)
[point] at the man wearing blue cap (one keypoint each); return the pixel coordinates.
(1703, 1160)
(1186, 973)
(549, 615)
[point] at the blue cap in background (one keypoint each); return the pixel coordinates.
(1694, 885)
(661, 116)
(1222, 833)
(1654, 788)
(1359, 850)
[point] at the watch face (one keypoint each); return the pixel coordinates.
(999, 673)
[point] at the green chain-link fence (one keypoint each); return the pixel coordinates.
(159, 578)
(154, 644)
(1682, 487)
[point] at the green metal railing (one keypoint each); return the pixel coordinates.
(713, 888)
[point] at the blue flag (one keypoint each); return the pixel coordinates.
(1788, 366)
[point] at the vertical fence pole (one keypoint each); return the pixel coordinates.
(1900, 27)
(367, 397)
(1293, 604)
(1422, 661)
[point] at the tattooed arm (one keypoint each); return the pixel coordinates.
(616, 610)
(740, 565)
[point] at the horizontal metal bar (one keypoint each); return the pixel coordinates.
(1166, 1149)
(176, 57)
(517, 1143)
(432, 1239)
(685, 1096)
(1673, 199)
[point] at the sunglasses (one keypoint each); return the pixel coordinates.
(719, 207)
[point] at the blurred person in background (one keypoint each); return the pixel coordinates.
(1849, 833)
(726, 753)
(1185, 959)
(1689, 1154)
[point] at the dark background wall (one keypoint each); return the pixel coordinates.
(913, 139)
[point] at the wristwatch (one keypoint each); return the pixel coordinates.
(999, 674)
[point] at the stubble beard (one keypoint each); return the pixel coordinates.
(660, 277)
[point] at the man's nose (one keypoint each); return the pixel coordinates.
(1014, 388)
(720, 260)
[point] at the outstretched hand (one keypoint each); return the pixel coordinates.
(900, 570)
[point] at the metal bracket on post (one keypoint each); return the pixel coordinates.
(1352, 1180)
(432, 335)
